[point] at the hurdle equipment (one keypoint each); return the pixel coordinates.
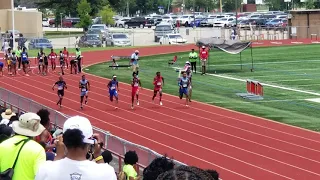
(254, 91)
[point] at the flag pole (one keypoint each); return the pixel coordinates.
(13, 31)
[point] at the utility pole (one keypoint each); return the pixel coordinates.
(128, 8)
(220, 6)
(236, 6)
(13, 29)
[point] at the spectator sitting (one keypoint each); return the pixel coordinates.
(31, 154)
(157, 167)
(185, 172)
(78, 138)
(214, 174)
(7, 114)
(130, 159)
(5, 132)
(12, 119)
(45, 136)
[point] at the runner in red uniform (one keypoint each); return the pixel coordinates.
(135, 88)
(158, 83)
(52, 58)
(66, 56)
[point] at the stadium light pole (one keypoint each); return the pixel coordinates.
(13, 31)
(236, 6)
(220, 6)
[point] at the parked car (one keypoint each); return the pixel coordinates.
(206, 23)
(96, 32)
(103, 30)
(73, 21)
(161, 30)
(120, 22)
(261, 23)
(90, 41)
(139, 22)
(186, 20)
(172, 39)
(45, 22)
(196, 23)
(37, 43)
(223, 22)
(274, 24)
(118, 39)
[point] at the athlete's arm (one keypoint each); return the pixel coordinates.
(65, 85)
(80, 85)
(109, 84)
(140, 83)
(88, 85)
(162, 81)
(54, 85)
(117, 86)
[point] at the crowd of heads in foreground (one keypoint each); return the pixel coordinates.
(73, 152)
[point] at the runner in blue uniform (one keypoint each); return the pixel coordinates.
(25, 61)
(184, 84)
(1, 68)
(61, 86)
(113, 86)
(84, 86)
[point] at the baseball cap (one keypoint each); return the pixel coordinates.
(28, 125)
(187, 62)
(81, 123)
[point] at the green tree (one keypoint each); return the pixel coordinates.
(230, 5)
(310, 4)
(107, 13)
(83, 10)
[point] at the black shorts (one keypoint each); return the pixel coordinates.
(46, 63)
(61, 93)
(25, 62)
(61, 63)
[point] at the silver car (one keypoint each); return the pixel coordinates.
(103, 28)
(118, 39)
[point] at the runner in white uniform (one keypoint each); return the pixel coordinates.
(84, 86)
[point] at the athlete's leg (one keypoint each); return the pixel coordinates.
(81, 101)
(137, 96)
(86, 101)
(39, 68)
(132, 98)
(187, 99)
(154, 94)
(190, 94)
(180, 93)
(160, 96)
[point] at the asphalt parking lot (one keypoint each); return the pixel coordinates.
(145, 37)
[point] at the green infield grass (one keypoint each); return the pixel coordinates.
(293, 71)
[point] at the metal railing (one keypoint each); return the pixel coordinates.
(116, 145)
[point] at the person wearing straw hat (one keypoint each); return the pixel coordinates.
(113, 86)
(7, 114)
(20, 152)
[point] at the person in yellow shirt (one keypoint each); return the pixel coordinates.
(130, 159)
(31, 155)
(193, 56)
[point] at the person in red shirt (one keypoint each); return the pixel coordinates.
(135, 88)
(158, 82)
(66, 56)
(204, 57)
(52, 58)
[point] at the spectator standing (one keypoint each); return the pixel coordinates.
(45, 136)
(130, 159)
(157, 167)
(18, 54)
(204, 54)
(193, 56)
(32, 153)
(79, 140)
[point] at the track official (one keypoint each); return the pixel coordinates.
(204, 58)
(193, 56)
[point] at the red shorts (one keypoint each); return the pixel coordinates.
(135, 91)
(53, 61)
(156, 89)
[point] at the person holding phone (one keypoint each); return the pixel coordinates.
(193, 56)
(74, 147)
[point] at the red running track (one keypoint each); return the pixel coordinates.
(237, 145)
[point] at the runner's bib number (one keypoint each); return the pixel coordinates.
(159, 83)
(113, 88)
(83, 89)
(60, 87)
(185, 85)
(136, 85)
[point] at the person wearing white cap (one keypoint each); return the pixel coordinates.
(134, 61)
(79, 140)
(204, 57)
(31, 154)
(7, 114)
(113, 86)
